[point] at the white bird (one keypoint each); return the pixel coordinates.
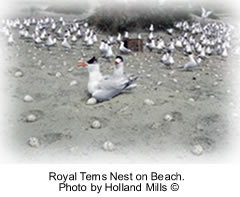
(94, 37)
(164, 58)
(85, 25)
(10, 39)
(119, 38)
(139, 37)
(123, 49)
(178, 25)
(151, 45)
(171, 46)
(28, 36)
(118, 72)
(109, 52)
(59, 32)
(111, 40)
(126, 35)
(74, 39)
(103, 48)
(160, 44)
(33, 21)
(95, 76)
(198, 47)
(199, 59)
(65, 44)
(79, 33)
(208, 50)
(178, 43)
(103, 88)
(119, 68)
(224, 52)
(150, 36)
(189, 65)
(205, 14)
(50, 42)
(202, 53)
(219, 49)
(167, 59)
(188, 49)
(169, 31)
(37, 40)
(61, 19)
(89, 41)
(53, 27)
(43, 35)
(151, 28)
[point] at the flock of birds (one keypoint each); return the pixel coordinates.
(195, 40)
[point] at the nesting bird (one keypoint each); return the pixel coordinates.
(102, 87)
(190, 65)
(123, 49)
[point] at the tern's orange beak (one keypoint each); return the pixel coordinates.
(116, 63)
(81, 64)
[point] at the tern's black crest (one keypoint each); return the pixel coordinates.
(119, 57)
(92, 60)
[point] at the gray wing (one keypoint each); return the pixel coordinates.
(189, 66)
(111, 87)
(102, 95)
(111, 82)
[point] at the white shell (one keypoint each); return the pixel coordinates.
(159, 83)
(197, 87)
(73, 83)
(34, 142)
(175, 80)
(58, 74)
(148, 102)
(191, 99)
(31, 118)
(96, 124)
(108, 146)
(200, 127)
(28, 98)
(39, 62)
(70, 69)
(91, 101)
(197, 150)
(18, 74)
(168, 117)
